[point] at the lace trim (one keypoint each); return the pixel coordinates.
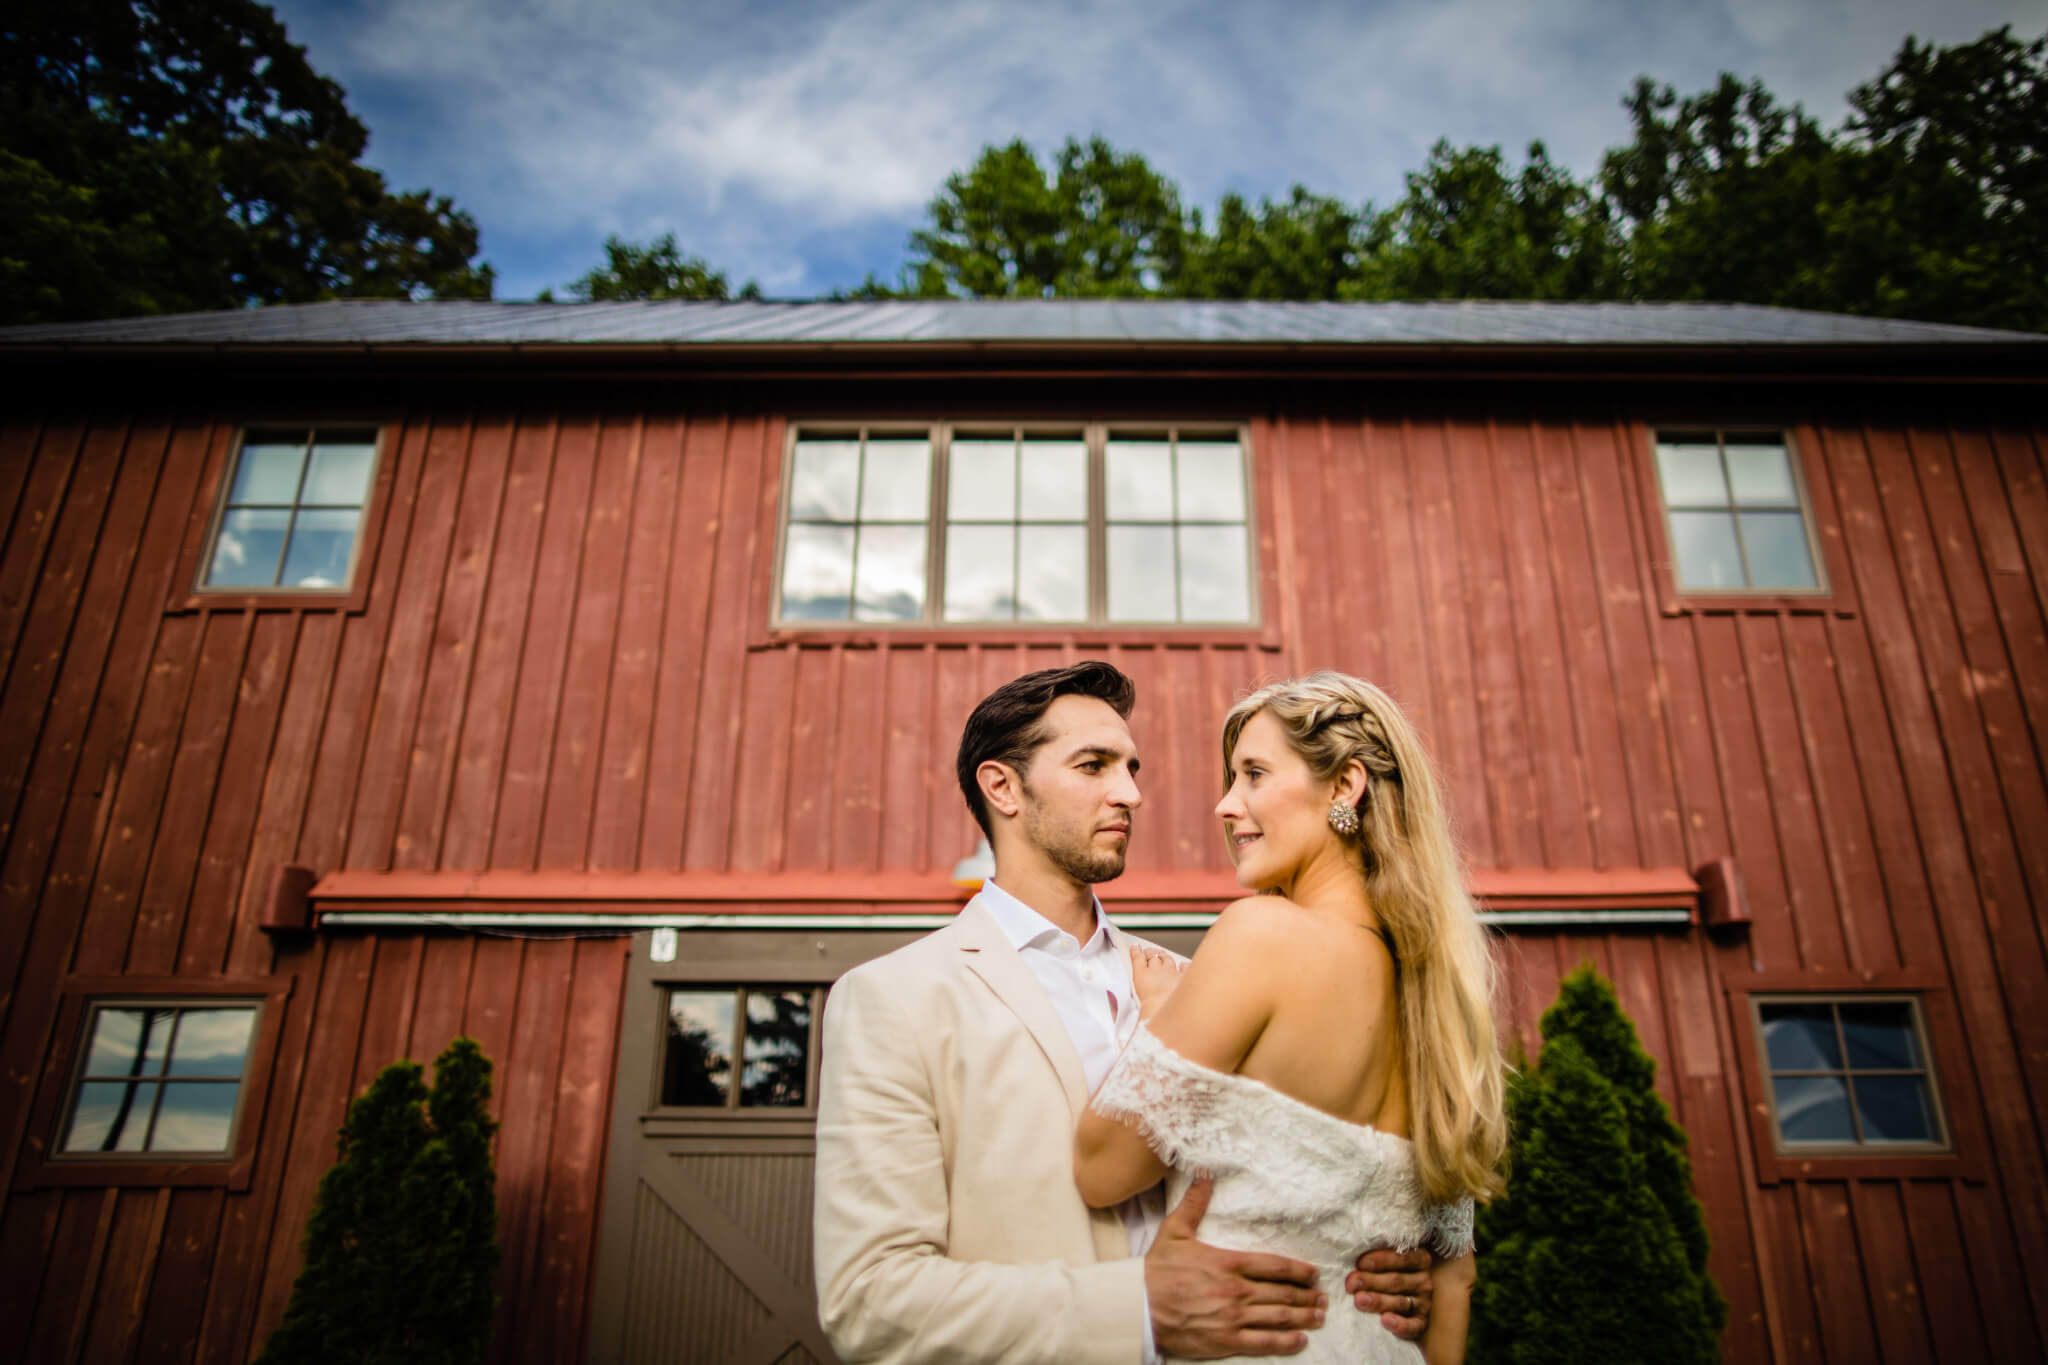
(1448, 1229)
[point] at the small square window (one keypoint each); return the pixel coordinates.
(292, 516)
(159, 1078)
(769, 1029)
(1849, 1075)
(1737, 517)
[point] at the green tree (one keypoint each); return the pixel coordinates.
(1471, 228)
(403, 1237)
(1595, 1161)
(658, 270)
(1931, 200)
(194, 139)
(1098, 223)
(1307, 247)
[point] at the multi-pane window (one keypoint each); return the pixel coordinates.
(746, 1047)
(1850, 1073)
(293, 512)
(159, 1078)
(969, 524)
(1738, 521)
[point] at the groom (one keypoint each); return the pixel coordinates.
(948, 1227)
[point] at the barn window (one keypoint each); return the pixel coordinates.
(159, 1077)
(1736, 512)
(748, 1047)
(293, 512)
(974, 525)
(1849, 1074)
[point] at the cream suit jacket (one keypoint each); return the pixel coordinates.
(947, 1223)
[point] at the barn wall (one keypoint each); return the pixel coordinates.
(563, 664)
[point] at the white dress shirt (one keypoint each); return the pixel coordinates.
(1090, 988)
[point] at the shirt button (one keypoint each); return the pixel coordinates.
(1087, 973)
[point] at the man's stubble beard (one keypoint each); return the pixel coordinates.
(1077, 858)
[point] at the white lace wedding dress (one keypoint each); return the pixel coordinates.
(1289, 1179)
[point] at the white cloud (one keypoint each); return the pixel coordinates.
(759, 133)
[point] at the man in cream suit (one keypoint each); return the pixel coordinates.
(948, 1227)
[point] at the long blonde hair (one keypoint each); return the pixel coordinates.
(1415, 884)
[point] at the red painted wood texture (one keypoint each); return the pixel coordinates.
(562, 672)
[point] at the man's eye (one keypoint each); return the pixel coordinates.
(1092, 764)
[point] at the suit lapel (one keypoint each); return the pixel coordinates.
(988, 954)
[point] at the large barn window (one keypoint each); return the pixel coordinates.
(952, 525)
(292, 516)
(1849, 1074)
(1736, 512)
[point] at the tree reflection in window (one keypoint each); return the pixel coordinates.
(767, 1028)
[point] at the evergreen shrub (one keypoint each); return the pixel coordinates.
(403, 1238)
(1598, 1252)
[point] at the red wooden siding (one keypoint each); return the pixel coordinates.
(564, 665)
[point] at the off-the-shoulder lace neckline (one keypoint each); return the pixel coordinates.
(1238, 1078)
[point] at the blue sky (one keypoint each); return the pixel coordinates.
(798, 144)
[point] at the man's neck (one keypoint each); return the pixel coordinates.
(1067, 905)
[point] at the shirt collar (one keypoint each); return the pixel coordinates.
(1025, 927)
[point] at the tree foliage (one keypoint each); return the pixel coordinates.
(403, 1237)
(159, 155)
(1930, 201)
(1596, 1161)
(1098, 224)
(658, 270)
(1468, 228)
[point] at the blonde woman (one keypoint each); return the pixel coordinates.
(1329, 1055)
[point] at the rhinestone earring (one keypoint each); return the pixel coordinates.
(1343, 818)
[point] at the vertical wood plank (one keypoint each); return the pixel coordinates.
(720, 705)
(1809, 895)
(594, 647)
(432, 758)
(916, 766)
(195, 781)
(39, 613)
(434, 451)
(217, 880)
(1899, 1311)
(544, 652)
(583, 1106)
(1953, 1299)
(43, 502)
(479, 784)
(1587, 668)
(627, 775)
(532, 1067)
(1545, 670)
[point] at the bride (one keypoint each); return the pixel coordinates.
(1329, 1055)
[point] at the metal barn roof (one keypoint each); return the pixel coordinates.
(1034, 323)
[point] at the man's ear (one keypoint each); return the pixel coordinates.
(1002, 787)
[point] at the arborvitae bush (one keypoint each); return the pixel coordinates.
(1599, 1251)
(403, 1237)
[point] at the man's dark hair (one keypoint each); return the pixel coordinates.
(1008, 725)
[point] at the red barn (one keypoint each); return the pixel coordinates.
(586, 679)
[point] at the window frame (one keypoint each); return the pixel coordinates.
(732, 1110)
(932, 627)
(1949, 1078)
(189, 591)
(1834, 592)
(1942, 1144)
(44, 1164)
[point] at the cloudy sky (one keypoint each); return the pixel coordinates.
(798, 143)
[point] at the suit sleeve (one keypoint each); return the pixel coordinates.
(887, 1290)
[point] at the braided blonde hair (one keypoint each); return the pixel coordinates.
(1416, 885)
